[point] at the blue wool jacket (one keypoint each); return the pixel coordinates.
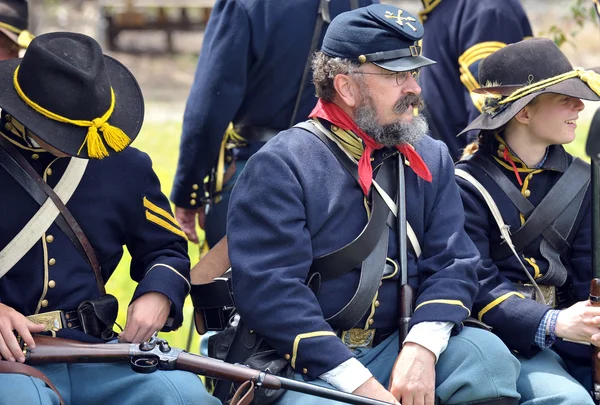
(514, 319)
(117, 203)
(249, 72)
(459, 34)
(295, 202)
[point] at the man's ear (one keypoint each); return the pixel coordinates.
(347, 90)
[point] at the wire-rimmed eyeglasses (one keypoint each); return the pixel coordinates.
(400, 76)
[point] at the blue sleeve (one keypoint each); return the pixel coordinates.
(481, 33)
(268, 282)
(216, 94)
(449, 259)
(513, 318)
(159, 260)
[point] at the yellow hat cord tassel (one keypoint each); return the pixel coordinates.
(590, 78)
(114, 136)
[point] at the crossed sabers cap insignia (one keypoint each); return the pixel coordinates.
(401, 20)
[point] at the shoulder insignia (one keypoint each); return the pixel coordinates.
(468, 64)
(162, 218)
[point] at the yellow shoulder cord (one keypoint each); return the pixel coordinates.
(114, 136)
(231, 139)
(589, 77)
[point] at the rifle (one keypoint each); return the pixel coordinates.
(592, 148)
(406, 291)
(157, 354)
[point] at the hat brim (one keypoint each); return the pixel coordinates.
(573, 87)
(128, 114)
(11, 35)
(404, 64)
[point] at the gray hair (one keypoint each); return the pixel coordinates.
(324, 69)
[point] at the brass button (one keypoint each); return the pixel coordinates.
(334, 128)
(532, 260)
(305, 370)
(193, 195)
(501, 147)
(287, 357)
(67, 316)
(8, 117)
(35, 156)
(527, 193)
(228, 159)
(44, 303)
(69, 324)
(371, 321)
(376, 303)
(193, 202)
(500, 154)
(52, 262)
(49, 172)
(49, 238)
(51, 283)
(8, 126)
(406, 162)
(380, 283)
(195, 187)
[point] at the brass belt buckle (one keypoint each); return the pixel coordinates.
(52, 320)
(356, 337)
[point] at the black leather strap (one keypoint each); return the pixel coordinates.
(73, 226)
(540, 218)
(323, 17)
(370, 247)
(335, 264)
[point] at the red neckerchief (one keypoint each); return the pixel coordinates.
(512, 163)
(334, 114)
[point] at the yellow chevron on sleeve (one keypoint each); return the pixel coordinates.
(497, 302)
(473, 54)
(160, 211)
(164, 224)
(448, 302)
(307, 336)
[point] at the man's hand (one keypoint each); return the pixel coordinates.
(187, 220)
(11, 320)
(372, 389)
(579, 322)
(145, 316)
(413, 376)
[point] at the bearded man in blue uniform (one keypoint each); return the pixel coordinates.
(68, 115)
(460, 34)
(250, 74)
(296, 202)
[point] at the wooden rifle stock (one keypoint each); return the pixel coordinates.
(158, 352)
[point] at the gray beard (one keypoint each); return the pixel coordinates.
(396, 133)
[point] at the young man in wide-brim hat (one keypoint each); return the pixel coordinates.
(69, 113)
(14, 35)
(518, 177)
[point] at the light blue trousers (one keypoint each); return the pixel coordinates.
(475, 366)
(544, 380)
(101, 384)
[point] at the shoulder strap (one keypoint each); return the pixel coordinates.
(540, 218)
(504, 229)
(72, 228)
(9, 367)
(334, 264)
(322, 18)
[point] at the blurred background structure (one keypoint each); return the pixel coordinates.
(159, 40)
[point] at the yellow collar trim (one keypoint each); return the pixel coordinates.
(114, 136)
(591, 78)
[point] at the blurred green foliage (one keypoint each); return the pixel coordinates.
(580, 13)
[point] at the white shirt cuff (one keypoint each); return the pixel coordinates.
(348, 376)
(433, 336)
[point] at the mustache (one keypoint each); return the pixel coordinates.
(406, 101)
